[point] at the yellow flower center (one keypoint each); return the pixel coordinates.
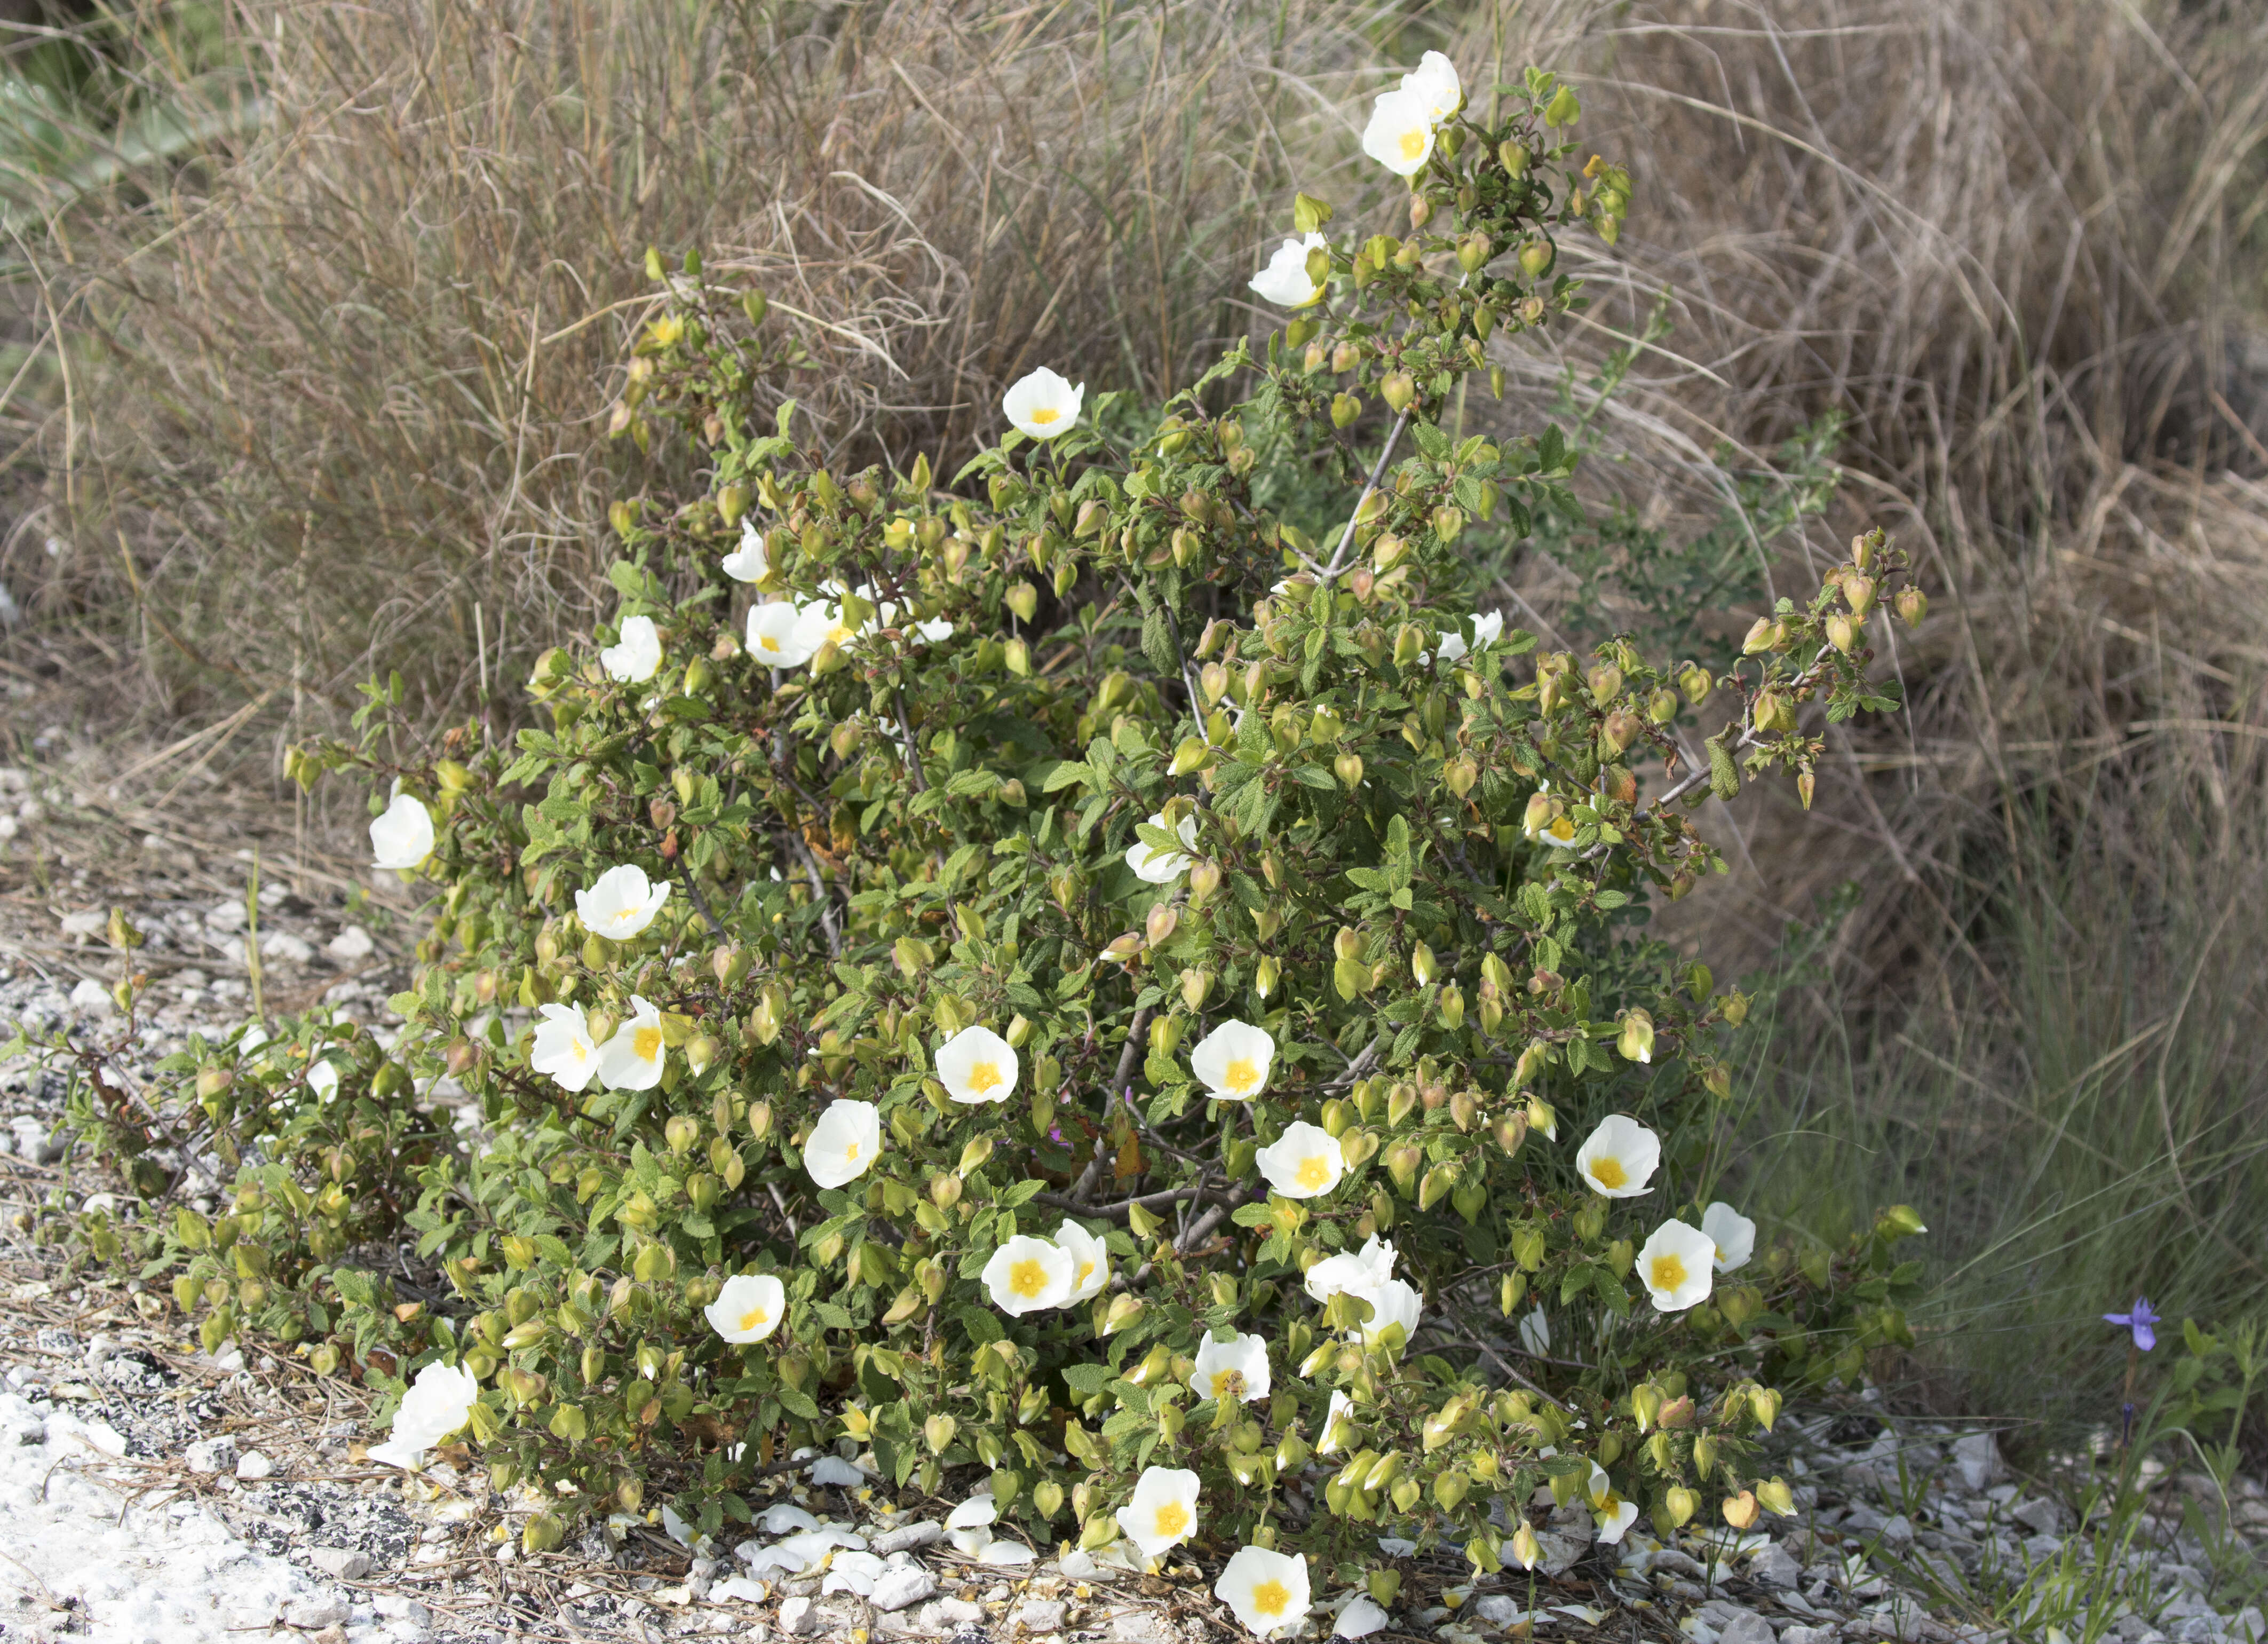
(1413, 145)
(1609, 1173)
(753, 1318)
(1271, 1598)
(1173, 1519)
(1228, 1385)
(1315, 1172)
(1085, 1268)
(1561, 829)
(768, 642)
(1244, 1075)
(1668, 1272)
(645, 1043)
(984, 1076)
(851, 1153)
(1045, 414)
(1028, 1278)
(579, 1048)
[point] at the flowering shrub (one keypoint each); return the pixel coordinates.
(1076, 973)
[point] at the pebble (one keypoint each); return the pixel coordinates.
(902, 1586)
(1745, 1627)
(252, 1466)
(347, 1564)
(211, 1455)
(925, 1533)
(1039, 1615)
(798, 1618)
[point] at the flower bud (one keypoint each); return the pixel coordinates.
(1398, 390)
(1682, 1503)
(1192, 754)
(1605, 683)
(1740, 1510)
(1636, 1042)
(1159, 924)
(1761, 637)
(1620, 730)
(1348, 769)
(1842, 632)
(1196, 985)
(1774, 1495)
(1124, 1309)
(1344, 409)
(1913, 605)
(1459, 772)
(1536, 258)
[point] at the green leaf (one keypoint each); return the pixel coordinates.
(1088, 1381)
(1068, 773)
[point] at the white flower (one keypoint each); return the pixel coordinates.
(563, 1047)
(1535, 1332)
(844, 1143)
(631, 1060)
(936, 631)
(1359, 1619)
(1435, 80)
(1305, 1163)
(1488, 628)
(976, 1065)
(1233, 1060)
(1620, 1158)
(1154, 867)
(1394, 1303)
(638, 657)
(821, 621)
(776, 637)
(1029, 1273)
(438, 1404)
(622, 904)
(833, 1470)
(1331, 1439)
(748, 1307)
(1231, 1371)
(1361, 1273)
(1734, 1234)
(747, 563)
(1676, 1266)
(1164, 1510)
(1284, 281)
(1551, 822)
(1266, 1590)
(1090, 1261)
(323, 1079)
(1043, 405)
(969, 1525)
(1614, 1515)
(403, 837)
(1400, 135)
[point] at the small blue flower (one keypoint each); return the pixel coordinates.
(2142, 1321)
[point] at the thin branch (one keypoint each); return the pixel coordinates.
(1346, 537)
(913, 753)
(700, 901)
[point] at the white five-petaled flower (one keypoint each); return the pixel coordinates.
(823, 621)
(1734, 1234)
(1392, 1302)
(1488, 628)
(1435, 80)
(1231, 1371)
(1284, 281)
(777, 636)
(1620, 1157)
(1676, 1267)
(563, 1047)
(437, 1405)
(1614, 1515)
(747, 563)
(1090, 1261)
(1029, 1273)
(1332, 1438)
(1536, 1331)
(637, 657)
(631, 1060)
(1154, 867)
(843, 1143)
(1264, 1590)
(1305, 1163)
(1164, 1510)
(404, 836)
(748, 1308)
(1400, 135)
(1362, 1272)
(323, 1079)
(1233, 1060)
(1042, 404)
(976, 1065)
(620, 903)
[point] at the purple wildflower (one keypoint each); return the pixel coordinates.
(2142, 1321)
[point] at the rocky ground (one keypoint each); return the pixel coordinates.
(150, 1491)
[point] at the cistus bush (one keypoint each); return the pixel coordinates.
(1073, 978)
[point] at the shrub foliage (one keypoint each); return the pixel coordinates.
(1087, 759)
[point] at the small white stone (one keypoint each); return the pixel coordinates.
(252, 1466)
(284, 945)
(903, 1585)
(350, 944)
(798, 1618)
(92, 998)
(348, 1564)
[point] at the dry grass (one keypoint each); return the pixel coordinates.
(336, 397)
